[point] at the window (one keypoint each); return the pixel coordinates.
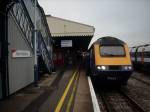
(112, 51)
(22, 20)
(147, 54)
(19, 13)
(15, 11)
(24, 23)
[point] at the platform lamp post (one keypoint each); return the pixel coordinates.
(35, 47)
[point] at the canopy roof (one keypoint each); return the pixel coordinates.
(65, 28)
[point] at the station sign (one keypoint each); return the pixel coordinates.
(21, 53)
(66, 43)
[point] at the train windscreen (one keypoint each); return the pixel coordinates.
(112, 51)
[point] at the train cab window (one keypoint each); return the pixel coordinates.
(112, 51)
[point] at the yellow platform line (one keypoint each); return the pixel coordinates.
(72, 95)
(59, 106)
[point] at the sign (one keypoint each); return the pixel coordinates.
(21, 53)
(66, 43)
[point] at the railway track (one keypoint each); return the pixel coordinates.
(141, 80)
(118, 101)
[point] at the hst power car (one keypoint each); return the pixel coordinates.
(110, 60)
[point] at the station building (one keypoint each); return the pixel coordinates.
(17, 44)
(71, 39)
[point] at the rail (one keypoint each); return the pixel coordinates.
(134, 103)
(110, 105)
(140, 80)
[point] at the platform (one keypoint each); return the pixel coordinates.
(83, 102)
(65, 91)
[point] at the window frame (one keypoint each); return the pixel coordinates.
(124, 55)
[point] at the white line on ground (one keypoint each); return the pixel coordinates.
(93, 96)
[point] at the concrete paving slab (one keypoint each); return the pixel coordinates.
(83, 101)
(18, 101)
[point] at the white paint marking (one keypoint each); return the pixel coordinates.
(93, 96)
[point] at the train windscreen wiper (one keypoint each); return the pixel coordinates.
(108, 54)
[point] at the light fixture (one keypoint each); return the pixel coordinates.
(103, 68)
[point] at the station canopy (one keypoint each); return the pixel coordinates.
(76, 34)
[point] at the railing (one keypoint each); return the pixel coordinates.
(42, 49)
(24, 21)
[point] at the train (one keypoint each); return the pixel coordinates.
(140, 56)
(109, 61)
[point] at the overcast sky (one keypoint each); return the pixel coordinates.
(128, 20)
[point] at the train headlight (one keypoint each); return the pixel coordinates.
(103, 68)
(130, 67)
(127, 67)
(99, 68)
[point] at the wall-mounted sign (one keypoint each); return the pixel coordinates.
(21, 53)
(66, 43)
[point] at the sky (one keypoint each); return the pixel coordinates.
(128, 20)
